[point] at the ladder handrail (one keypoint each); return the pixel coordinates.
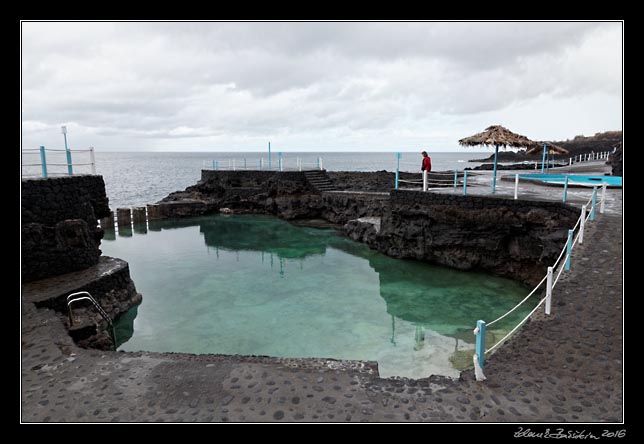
(96, 305)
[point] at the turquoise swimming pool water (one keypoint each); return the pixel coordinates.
(257, 285)
(611, 181)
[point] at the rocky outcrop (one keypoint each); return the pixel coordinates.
(59, 224)
(288, 195)
(108, 282)
(517, 239)
(60, 254)
(615, 160)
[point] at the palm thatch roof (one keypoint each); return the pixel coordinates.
(551, 147)
(498, 135)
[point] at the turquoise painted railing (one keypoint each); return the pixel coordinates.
(45, 164)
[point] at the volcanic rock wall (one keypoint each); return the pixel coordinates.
(513, 238)
(59, 224)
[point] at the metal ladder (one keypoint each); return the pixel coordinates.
(83, 295)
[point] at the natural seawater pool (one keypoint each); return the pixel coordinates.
(258, 285)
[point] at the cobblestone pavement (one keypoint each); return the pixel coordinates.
(557, 368)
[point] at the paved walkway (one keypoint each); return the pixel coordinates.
(480, 183)
(565, 367)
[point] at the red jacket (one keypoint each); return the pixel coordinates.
(427, 164)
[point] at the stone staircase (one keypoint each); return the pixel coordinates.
(319, 180)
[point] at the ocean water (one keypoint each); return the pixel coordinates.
(258, 285)
(138, 178)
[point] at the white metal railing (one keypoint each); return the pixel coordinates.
(45, 165)
(562, 262)
(282, 163)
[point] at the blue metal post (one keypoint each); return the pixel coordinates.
(480, 342)
(216, 164)
(260, 163)
(543, 159)
(565, 193)
(465, 183)
(70, 171)
(244, 163)
(269, 155)
(496, 154)
(568, 249)
(213, 164)
(279, 160)
(43, 161)
(318, 163)
(397, 168)
(455, 179)
(594, 203)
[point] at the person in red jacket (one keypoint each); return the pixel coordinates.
(427, 162)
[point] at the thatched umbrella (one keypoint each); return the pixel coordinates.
(498, 136)
(552, 148)
(548, 148)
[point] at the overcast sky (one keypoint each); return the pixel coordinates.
(315, 86)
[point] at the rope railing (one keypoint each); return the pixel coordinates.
(563, 250)
(44, 164)
(502, 340)
(519, 304)
(556, 279)
(562, 263)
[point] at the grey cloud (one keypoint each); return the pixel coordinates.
(204, 80)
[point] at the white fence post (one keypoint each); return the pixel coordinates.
(93, 161)
(424, 180)
(233, 164)
(601, 206)
(549, 290)
(516, 186)
(582, 223)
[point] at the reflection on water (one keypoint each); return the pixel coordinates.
(259, 285)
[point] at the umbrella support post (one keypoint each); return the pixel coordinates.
(465, 183)
(496, 155)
